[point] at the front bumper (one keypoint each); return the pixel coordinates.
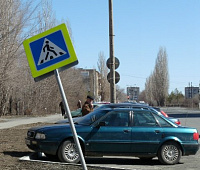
(49, 147)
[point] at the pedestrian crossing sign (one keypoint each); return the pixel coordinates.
(50, 50)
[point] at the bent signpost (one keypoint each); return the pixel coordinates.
(48, 53)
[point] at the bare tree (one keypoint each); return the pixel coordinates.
(13, 16)
(103, 70)
(120, 94)
(161, 80)
(157, 85)
(26, 94)
(19, 94)
(149, 87)
(142, 96)
(74, 86)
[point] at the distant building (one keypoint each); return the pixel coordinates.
(133, 93)
(190, 92)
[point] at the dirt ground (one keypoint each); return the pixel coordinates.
(12, 147)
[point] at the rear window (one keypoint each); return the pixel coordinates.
(162, 122)
(144, 118)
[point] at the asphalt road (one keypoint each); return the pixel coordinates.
(12, 122)
(188, 117)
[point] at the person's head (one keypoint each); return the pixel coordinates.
(90, 99)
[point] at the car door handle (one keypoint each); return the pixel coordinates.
(126, 130)
(157, 131)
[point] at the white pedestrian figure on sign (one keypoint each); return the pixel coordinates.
(49, 51)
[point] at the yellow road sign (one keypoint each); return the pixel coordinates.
(50, 50)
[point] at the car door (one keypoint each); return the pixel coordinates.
(146, 132)
(114, 136)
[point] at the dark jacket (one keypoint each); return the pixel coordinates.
(86, 108)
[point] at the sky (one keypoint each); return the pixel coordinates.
(141, 27)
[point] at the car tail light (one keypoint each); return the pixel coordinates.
(165, 114)
(178, 123)
(195, 136)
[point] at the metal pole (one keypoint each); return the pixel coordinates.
(112, 58)
(64, 99)
(199, 95)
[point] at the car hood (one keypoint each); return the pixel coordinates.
(57, 130)
(49, 127)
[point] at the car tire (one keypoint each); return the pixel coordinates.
(68, 152)
(169, 153)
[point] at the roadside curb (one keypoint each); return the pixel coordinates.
(40, 157)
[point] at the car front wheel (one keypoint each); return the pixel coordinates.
(68, 152)
(169, 153)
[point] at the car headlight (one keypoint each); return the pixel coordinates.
(40, 136)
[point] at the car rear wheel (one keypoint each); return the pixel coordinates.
(68, 152)
(169, 153)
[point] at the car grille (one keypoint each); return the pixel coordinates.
(30, 134)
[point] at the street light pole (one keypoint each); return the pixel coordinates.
(112, 58)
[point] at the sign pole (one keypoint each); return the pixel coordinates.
(64, 99)
(112, 58)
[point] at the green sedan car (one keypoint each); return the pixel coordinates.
(117, 131)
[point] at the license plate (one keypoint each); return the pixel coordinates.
(28, 142)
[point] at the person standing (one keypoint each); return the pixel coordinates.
(87, 106)
(62, 108)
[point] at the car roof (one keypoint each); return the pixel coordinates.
(117, 105)
(126, 109)
(127, 105)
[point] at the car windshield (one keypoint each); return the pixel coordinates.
(92, 117)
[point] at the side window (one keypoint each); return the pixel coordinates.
(162, 122)
(144, 118)
(92, 117)
(117, 119)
